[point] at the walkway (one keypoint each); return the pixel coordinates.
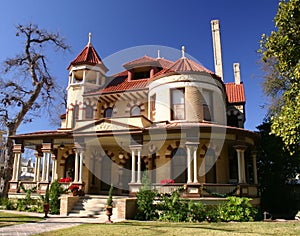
(52, 223)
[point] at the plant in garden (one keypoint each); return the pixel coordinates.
(145, 200)
(237, 209)
(56, 190)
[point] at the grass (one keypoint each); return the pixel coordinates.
(164, 228)
(8, 219)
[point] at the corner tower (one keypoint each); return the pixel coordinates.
(86, 72)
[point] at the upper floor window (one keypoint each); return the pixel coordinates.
(89, 112)
(75, 114)
(135, 111)
(207, 105)
(178, 104)
(152, 102)
(108, 112)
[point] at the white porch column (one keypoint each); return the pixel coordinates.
(36, 176)
(80, 166)
(17, 150)
(189, 174)
(15, 166)
(46, 149)
(195, 165)
(139, 179)
(133, 149)
(19, 160)
(241, 163)
(254, 168)
(132, 166)
(44, 167)
(192, 153)
(54, 168)
(76, 167)
(48, 155)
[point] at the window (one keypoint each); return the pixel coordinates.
(177, 104)
(108, 112)
(152, 103)
(135, 111)
(89, 112)
(207, 105)
(75, 114)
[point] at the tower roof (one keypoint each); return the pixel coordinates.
(88, 56)
(147, 61)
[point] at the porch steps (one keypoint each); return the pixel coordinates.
(90, 206)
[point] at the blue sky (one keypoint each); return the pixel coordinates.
(117, 25)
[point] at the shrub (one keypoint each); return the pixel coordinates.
(237, 209)
(145, 200)
(56, 190)
(146, 207)
(8, 204)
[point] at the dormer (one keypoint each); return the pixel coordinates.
(145, 67)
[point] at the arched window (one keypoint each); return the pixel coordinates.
(179, 165)
(89, 112)
(135, 111)
(108, 112)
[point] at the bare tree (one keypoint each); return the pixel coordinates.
(29, 86)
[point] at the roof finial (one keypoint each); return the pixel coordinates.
(158, 54)
(182, 51)
(90, 38)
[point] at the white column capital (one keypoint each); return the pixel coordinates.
(135, 147)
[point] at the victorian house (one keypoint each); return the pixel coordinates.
(176, 121)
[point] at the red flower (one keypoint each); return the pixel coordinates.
(74, 187)
(65, 180)
(167, 181)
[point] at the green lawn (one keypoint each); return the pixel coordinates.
(7, 219)
(162, 228)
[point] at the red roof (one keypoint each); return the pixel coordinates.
(148, 61)
(88, 56)
(235, 92)
(120, 83)
(184, 65)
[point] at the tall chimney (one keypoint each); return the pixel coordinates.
(237, 73)
(215, 28)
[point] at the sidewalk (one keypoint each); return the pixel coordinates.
(54, 222)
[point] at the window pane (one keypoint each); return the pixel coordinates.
(177, 104)
(89, 112)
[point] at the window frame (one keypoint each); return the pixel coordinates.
(174, 115)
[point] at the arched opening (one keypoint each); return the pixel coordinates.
(69, 167)
(135, 111)
(179, 165)
(210, 166)
(108, 112)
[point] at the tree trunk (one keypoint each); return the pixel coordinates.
(9, 160)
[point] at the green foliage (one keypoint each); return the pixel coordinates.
(281, 54)
(145, 200)
(237, 209)
(56, 190)
(175, 209)
(110, 201)
(276, 168)
(146, 207)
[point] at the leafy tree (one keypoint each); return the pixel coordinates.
(28, 87)
(281, 57)
(276, 169)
